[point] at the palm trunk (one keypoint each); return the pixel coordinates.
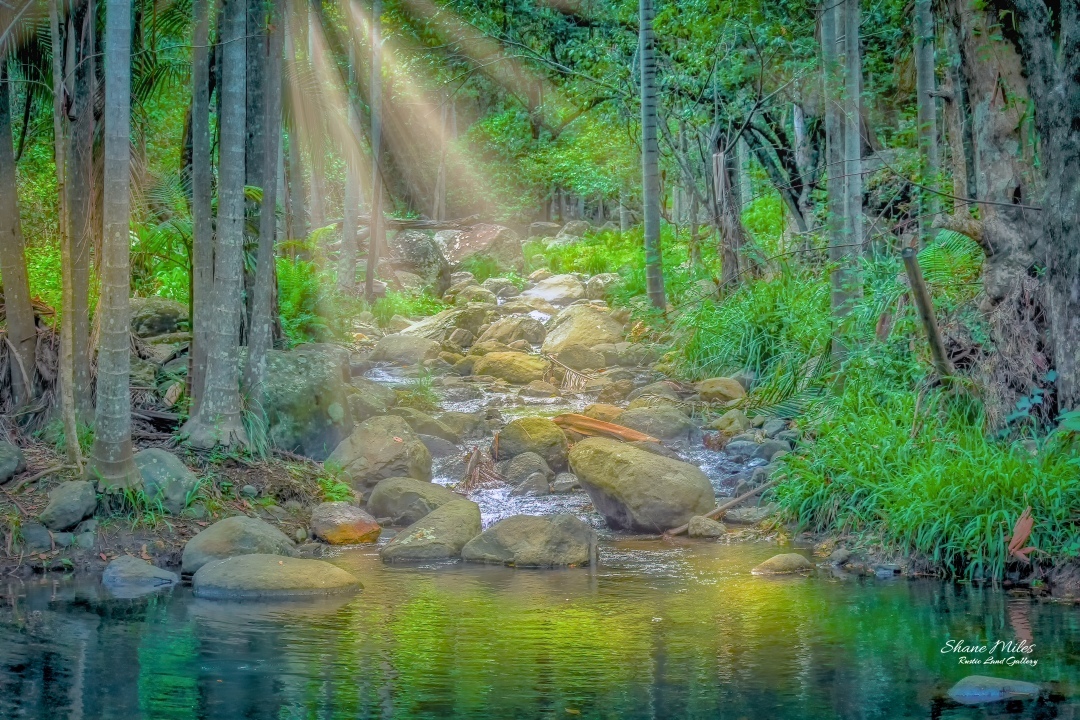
(839, 252)
(255, 159)
(202, 264)
(21, 333)
(351, 202)
(218, 420)
(259, 338)
(650, 158)
(927, 113)
(853, 188)
(624, 211)
(111, 456)
(377, 228)
(67, 313)
(294, 168)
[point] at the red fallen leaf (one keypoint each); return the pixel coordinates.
(102, 556)
(397, 439)
(200, 523)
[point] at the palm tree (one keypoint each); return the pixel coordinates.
(111, 456)
(217, 421)
(377, 227)
(650, 156)
(202, 256)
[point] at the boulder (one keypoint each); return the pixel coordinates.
(377, 392)
(438, 447)
(565, 482)
(574, 229)
(536, 485)
(36, 536)
(142, 373)
(703, 527)
(603, 412)
(976, 689)
(732, 422)
(379, 448)
(615, 392)
(769, 449)
(662, 389)
(341, 523)
(494, 241)
(540, 389)
(424, 424)
(306, 399)
(534, 434)
(598, 285)
(441, 326)
(129, 577)
(234, 536)
(166, 479)
(157, 316)
(269, 577)
(438, 535)
(783, 564)
(720, 389)
(578, 357)
(520, 467)
(585, 325)
(406, 500)
(750, 515)
(416, 252)
(69, 503)
(521, 327)
(489, 346)
(558, 290)
(475, 294)
(529, 541)
(405, 349)
(513, 367)
(663, 423)
(637, 490)
(541, 274)
(467, 425)
(544, 229)
(741, 450)
(12, 461)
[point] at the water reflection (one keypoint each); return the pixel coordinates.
(660, 630)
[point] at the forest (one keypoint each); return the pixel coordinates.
(850, 226)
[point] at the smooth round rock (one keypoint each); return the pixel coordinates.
(128, 576)
(231, 537)
(339, 523)
(269, 577)
(783, 564)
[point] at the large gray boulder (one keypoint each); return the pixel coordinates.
(405, 349)
(521, 467)
(231, 537)
(529, 541)
(306, 399)
(538, 435)
(166, 479)
(368, 399)
(438, 535)
(12, 461)
(416, 252)
(637, 490)
(514, 367)
(585, 325)
(130, 577)
(342, 523)
(494, 241)
(511, 329)
(379, 448)
(424, 424)
(69, 503)
(406, 500)
(268, 577)
(559, 290)
(157, 316)
(439, 327)
(667, 424)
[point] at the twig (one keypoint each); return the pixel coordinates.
(725, 507)
(37, 476)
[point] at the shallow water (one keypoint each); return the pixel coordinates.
(658, 630)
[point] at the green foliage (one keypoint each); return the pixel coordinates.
(418, 394)
(334, 486)
(135, 505)
(405, 304)
(311, 308)
(481, 266)
(53, 433)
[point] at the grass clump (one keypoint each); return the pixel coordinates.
(418, 394)
(406, 305)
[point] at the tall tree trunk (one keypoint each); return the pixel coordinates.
(111, 458)
(351, 202)
(218, 420)
(21, 332)
(927, 114)
(255, 159)
(650, 157)
(438, 201)
(377, 228)
(67, 302)
(202, 243)
(316, 146)
(955, 125)
(294, 168)
(624, 211)
(733, 264)
(80, 182)
(259, 338)
(840, 252)
(853, 141)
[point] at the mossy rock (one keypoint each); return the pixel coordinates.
(513, 367)
(538, 435)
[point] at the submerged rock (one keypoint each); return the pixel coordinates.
(536, 485)
(513, 367)
(166, 479)
(637, 490)
(257, 576)
(128, 576)
(439, 535)
(379, 448)
(519, 468)
(231, 537)
(406, 500)
(534, 434)
(69, 503)
(783, 564)
(703, 527)
(975, 689)
(340, 523)
(528, 541)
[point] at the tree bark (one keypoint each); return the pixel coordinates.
(111, 459)
(21, 331)
(927, 115)
(218, 420)
(650, 157)
(853, 141)
(255, 158)
(351, 203)
(377, 231)
(259, 337)
(733, 265)
(840, 253)
(202, 243)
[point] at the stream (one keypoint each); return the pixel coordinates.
(658, 629)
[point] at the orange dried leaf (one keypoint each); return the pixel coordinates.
(585, 425)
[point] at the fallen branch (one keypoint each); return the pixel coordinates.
(715, 514)
(586, 425)
(37, 476)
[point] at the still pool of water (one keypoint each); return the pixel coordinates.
(659, 630)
